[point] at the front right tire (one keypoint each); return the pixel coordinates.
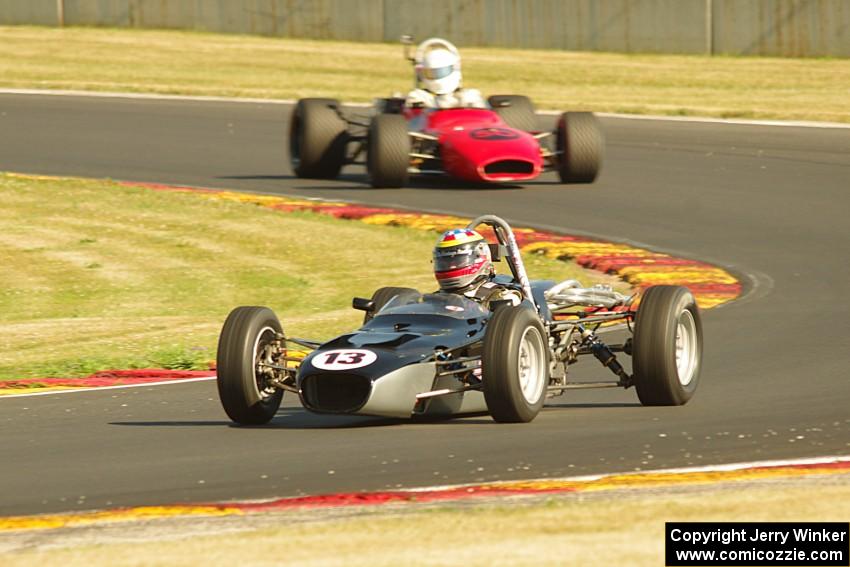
(244, 341)
(388, 151)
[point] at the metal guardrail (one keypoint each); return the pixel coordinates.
(799, 28)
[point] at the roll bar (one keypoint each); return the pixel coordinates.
(506, 238)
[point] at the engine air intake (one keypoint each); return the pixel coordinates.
(338, 392)
(509, 166)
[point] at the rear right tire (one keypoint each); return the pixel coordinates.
(383, 295)
(317, 138)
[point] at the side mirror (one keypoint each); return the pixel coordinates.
(363, 304)
(407, 42)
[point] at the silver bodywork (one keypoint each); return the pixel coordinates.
(395, 394)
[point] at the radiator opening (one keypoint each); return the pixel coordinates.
(509, 166)
(337, 392)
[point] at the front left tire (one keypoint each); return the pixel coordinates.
(245, 341)
(515, 364)
(580, 146)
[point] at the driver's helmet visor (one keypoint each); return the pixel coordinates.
(437, 73)
(456, 257)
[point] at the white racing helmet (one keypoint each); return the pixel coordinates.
(438, 66)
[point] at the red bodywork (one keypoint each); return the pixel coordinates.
(476, 145)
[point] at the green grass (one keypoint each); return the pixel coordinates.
(98, 275)
(196, 63)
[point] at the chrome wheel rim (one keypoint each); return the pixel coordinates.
(530, 365)
(263, 356)
(686, 347)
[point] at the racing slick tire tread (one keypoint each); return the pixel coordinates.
(388, 151)
(235, 360)
(383, 295)
(519, 113)
(317, 138)
(499, 364)
(581, 144)
(656, 376)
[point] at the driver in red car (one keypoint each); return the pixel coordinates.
(438, 78)
(463, 265)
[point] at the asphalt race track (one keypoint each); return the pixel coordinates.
(769, 203)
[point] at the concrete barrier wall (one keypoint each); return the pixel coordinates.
(796, 28)
(607, 25)
(34, 12)
(749, 27)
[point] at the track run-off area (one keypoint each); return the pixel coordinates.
(767, 203)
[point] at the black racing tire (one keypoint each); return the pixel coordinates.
(581, 147)
(667, 349)
(246, 331)
(317, 138)
(517, 113)
(383, 295)
(388, 151)
(511, 332)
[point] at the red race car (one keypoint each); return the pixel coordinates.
(494, 142)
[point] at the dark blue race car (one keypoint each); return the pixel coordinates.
(444, 354)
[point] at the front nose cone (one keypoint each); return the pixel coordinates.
(491, 154)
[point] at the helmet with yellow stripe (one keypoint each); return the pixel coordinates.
(461, 257)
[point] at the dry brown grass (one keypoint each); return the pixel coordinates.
(227, 65)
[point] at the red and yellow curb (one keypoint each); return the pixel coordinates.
(627, 481)
(105, 379)
(711, 285)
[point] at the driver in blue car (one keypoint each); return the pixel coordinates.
(463, 265)
(438, 78)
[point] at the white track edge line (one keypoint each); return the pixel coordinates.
(585, 478)
(679, 470)
(420, 490)
(75, 390)
(202, 98)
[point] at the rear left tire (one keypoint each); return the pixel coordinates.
(667, 351)
(516, 110)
